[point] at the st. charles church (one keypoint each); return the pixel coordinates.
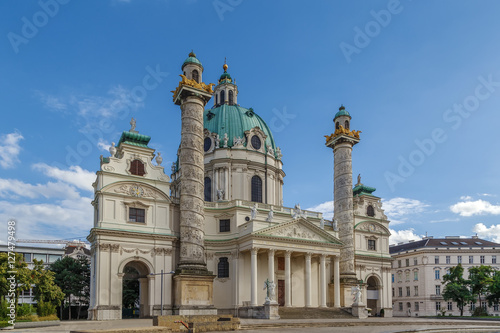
(203, 235)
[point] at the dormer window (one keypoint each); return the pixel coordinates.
(231, 97)
(196, 76)
(370, 211)
(256, 143)
(137, 168)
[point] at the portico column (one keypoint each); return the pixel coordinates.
(288, 280)
(308, 279)
(253, 267)
(322, 281)
(270, 265)
(336, 282)
(151, 291)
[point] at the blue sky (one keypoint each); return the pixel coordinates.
(421, 80)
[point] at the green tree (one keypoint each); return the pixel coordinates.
(480, 280)
(73, 277)
(494, 290)
(45, 289)
(455, 287)
(23, 279)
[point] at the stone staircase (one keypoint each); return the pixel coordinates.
(313, 313)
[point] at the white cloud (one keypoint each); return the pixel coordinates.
(326, 208)
(13, 188)
(52, 102)
(403, 236)
(103, 145)
(491, 233)
(466, 198)
(399, 207)
(478, 207)
(10, 149)
(76, 176)
(444, 220)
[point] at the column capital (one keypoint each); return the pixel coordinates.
(254, 250)
(323, 257)
(271, 252)
(308, 255)
(288, 253)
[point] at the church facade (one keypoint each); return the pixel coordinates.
(205, 238)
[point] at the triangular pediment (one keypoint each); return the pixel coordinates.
(372, 227)
(299, 229)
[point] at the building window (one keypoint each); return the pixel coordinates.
(472, 306)
(399, 263)
(27, 257)
(54, 257)
(481, 259)
(224, 225)
(408, 305)
(392, 292)
(346, 124)
(256, 189)
(493, 259)
(39, 256)
(137, 168)
(392, 278)
(415, 276)
(436, 259)
(438, 306)
(484, 304)
(448, 259)
(459, 259)
(370, 211)
(208, 189)
(437, 274)
(407, 276)
(495, 307)
(415, 290)
(408, 291)
(231, 97)
(207, 144)
(337, 125)
(450, 306)
(400, 306)
(438, 290)
(407, 262)
(417, 306)
(222, 97)
(137, 215)
(216, 99)
(223, 268)
(281, 263)
(371, 245)
(196, 76)
(415, 262)
(399, 277)
(471, 259)
(256, 143)
(400, 291)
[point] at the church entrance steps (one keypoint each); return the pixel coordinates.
(313, 313)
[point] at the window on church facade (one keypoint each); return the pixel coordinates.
(137, 168)
(137, 215)
(370, 211)
(337, 125)
(371, 245)
(223, 268)
(256, 189)
(346, 124)
(196, 76)
(222, 97)
(208, 189)
(231, 97)
(224, 225)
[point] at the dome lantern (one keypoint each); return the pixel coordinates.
(226, 91)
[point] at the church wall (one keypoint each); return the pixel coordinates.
(298, 281)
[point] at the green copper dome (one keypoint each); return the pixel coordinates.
(235, 120)
(191, 60)
(342, 112)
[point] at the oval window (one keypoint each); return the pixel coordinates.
(207, 144)
(256, 142)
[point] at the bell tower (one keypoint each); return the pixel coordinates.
(342, 141)
(193, 283)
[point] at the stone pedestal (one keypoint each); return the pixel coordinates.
(359, 310)
(271, 310)
(193, 294)
(346, 296)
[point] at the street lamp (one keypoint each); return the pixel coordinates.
(161, 290)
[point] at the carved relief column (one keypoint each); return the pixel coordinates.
(253, 277)
(336, 281)
(308, 279)
(322, 281)
(270, 264)
(288, 280)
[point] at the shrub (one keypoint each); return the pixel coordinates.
(45, 309)
(480, 312)
(3, 309)
(24, 310)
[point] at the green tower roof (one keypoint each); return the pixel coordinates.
(235, 120)
(363, 190)
(342, 112)
(191, 60)
(135, 139)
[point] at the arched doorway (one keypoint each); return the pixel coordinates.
(135, 302)
(372, 295)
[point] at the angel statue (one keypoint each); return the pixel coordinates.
(356, 291)
(270, 293)
(132, 124)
